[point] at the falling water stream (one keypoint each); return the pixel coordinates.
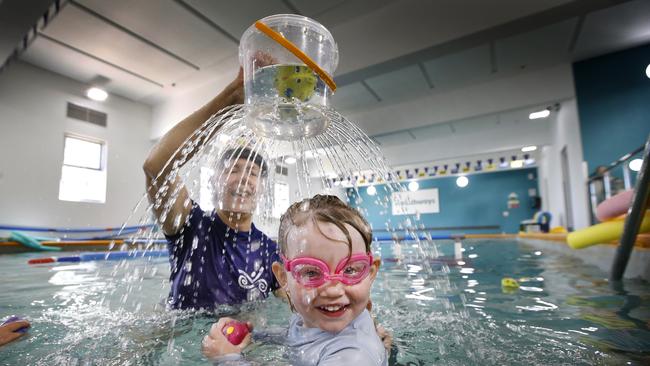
(329, 152)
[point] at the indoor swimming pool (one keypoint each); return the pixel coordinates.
(441, 311)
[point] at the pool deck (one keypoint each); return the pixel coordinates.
(642, 241)
(491, 236)
(601, 255)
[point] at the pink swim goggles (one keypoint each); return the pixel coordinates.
(313, 272)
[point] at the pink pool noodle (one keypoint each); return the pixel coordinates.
(614, 206)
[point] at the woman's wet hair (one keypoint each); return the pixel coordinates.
(325, 209)
(245, 153)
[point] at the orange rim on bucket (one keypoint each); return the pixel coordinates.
(297, 52)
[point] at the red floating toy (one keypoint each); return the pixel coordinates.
(235, 332)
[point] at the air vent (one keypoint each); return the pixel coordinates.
(282, 170)
(87, 114)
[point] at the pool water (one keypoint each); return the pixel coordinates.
(440, 311)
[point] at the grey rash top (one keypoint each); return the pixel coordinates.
(358, 344)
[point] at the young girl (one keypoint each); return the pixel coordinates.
(327, 272)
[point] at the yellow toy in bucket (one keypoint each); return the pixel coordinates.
(295, 81)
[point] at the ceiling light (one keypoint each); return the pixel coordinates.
(540, 114)
(414, 186)
(528, 148)
(371, 190)
(462, 181)
(647, 71)
(97, 94)
(290, 160)
(635, 164)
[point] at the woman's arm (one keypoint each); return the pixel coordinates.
(157, 170)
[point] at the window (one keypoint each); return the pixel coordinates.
(83, 175)
(281, 198)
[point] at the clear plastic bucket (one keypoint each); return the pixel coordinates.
(285, 95)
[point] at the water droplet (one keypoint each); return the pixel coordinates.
(188, 280)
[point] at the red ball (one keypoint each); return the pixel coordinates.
(235, 331)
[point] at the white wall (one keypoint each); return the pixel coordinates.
(470, 137)
(32, 126)
(497, 95)
(565, 132)
(178, 106)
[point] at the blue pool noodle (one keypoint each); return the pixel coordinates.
(116, 256)
(102, 256)
(68, 259)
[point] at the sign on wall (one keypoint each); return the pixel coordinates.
(410, 203)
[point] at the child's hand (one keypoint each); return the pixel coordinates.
(215, 344)
(9, 331)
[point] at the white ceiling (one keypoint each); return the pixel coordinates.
(152, 50)
(576, 38)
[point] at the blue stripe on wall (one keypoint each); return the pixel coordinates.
(613, 95)
(481, 203)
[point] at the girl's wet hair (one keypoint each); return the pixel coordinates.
(325, 209)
